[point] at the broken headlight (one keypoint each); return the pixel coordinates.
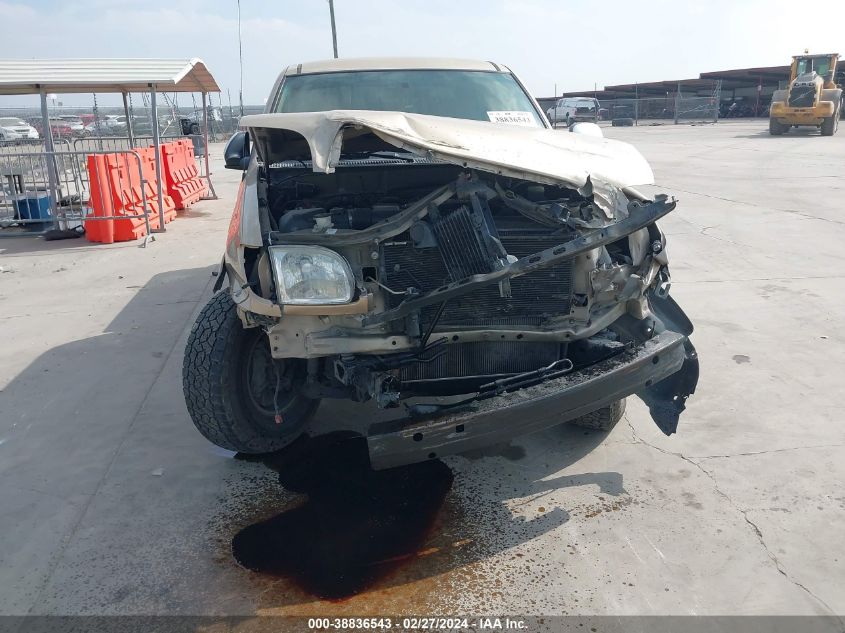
(311, 275)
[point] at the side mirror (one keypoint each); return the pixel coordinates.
(587, 129)
(236, 154)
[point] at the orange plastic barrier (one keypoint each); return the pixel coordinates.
(150, 192)
(110, 177)
(123, 171)
(180, 173)
(116, 190)
(101, 201)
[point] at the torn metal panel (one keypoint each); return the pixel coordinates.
(640, 217)
(542, 155)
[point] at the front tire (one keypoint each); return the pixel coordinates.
(830, 124)
(238, 397)
(776, 128)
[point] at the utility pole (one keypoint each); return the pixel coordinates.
(240, 61)
(637, 103)
(334, 30)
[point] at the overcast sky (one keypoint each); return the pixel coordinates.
(574, 44)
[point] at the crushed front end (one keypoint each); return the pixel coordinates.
(487, 301)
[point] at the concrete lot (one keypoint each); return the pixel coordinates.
(112, 503)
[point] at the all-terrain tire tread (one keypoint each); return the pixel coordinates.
(205, 352)
(829, 125)
(210, 383)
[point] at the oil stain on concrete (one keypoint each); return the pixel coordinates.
(355, 525)
(329, 535)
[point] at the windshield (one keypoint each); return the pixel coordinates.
(8, 121)
(461, 94)
(820, 64)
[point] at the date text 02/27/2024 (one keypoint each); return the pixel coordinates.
(417, 624)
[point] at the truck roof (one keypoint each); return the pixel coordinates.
(807, 56)
(392, 63)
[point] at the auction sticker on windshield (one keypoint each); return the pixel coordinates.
(513, 117)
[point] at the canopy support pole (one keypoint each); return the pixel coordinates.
(50, 157)
(157, 146)
(129, 130)
(211, 195)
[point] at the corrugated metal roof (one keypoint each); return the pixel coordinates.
(24, 76)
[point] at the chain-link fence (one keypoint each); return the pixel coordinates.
(677, 108)
(692, 109)
(96, 120)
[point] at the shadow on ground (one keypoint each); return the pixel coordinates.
(64, 414)
(87, 450)
(64, 419)
(12, 243)
(799, 132)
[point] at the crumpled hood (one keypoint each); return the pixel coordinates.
(530, 153)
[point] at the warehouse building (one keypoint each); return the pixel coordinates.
(749, 88)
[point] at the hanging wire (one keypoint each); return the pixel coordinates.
(130, 127)
(97, 129)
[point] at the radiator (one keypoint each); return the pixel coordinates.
(534, 297)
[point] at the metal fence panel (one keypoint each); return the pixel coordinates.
(696, 109)
(674, 107)
(25, 188)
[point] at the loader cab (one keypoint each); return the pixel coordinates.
(823, 65)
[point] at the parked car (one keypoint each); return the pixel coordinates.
(574, 110)
(77, 127)
(393, 245)
(108, 124)
(60, 128)
(192, 123)
(13, 128)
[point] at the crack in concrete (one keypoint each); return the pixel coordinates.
(803, 214)
(774, 450)
(750, 279)
(704, 231)
(744, 513)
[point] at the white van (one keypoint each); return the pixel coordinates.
(574, 109)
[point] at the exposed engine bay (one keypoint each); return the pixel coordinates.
(471, 282)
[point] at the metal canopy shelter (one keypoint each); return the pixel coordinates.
(750, 77)
(43, 76)
(767, 76)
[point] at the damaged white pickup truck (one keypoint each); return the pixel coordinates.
(413, 232)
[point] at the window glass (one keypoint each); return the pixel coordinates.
(460, 94)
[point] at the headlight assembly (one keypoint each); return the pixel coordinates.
(311, 275)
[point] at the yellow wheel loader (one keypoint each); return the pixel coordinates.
(812, 97)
